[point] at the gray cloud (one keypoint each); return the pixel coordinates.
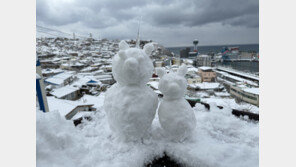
(167, 19)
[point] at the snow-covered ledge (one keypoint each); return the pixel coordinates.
(220, 139)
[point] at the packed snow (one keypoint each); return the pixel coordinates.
(175, 114)
(130, 104)
(220, 139)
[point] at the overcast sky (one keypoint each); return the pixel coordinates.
(168, 22)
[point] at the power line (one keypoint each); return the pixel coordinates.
(50, 29)
(48, 33)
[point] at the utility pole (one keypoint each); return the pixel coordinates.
(138, 35)
(40, 90)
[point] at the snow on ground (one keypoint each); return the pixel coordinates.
(220, 140)
(230, 103)
(65, 106)
(222, 94)
(98, 101)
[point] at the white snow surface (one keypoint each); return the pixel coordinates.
(130, 110)
(63, 91)
(175, 114)
(230, 103)
(219, 140)
(130, 104)
(206, 85)
(132, 65)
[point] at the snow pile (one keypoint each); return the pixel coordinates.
(131, 105)
(220, 139)
(175, 114)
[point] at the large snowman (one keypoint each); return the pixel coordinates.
(130, 104)
(175, 114)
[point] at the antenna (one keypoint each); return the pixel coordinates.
(138, 35)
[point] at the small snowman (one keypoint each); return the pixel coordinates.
(175, 114)
(130, 104)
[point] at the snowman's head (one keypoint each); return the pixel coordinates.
(132, 65)
(173, 85)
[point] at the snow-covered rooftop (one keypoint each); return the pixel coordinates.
(239, 79)
(64, 106)
(252, 90)
(192, 69)
(205, 68)
(206, 85)
(239, 73)
(63, 91)
(59, 78)
(48, 71)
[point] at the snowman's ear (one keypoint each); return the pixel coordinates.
(148, 48)
(123, 45)
(182, 70)
(160, 72)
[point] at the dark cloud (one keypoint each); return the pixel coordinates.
(118, 19)
(197, 13)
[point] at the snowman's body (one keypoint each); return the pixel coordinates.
(176, 118)
(131, 111)
(175, 114)
(130, 104)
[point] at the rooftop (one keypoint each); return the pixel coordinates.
(205, 68)
(63, 91)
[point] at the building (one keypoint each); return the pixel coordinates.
(184, 53)
(244, 93)
(207, 74)
(49, 64)
(188, 62)
(74, 65)
(158, 63)
(203, 60)
(69, 108)
(88, 85)
(206, 86)
(176, 61)
(194, 80)
(50, 72)
(61, 79)
(66, 92)
(192, 55)
(106, 68)
(105, 79)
